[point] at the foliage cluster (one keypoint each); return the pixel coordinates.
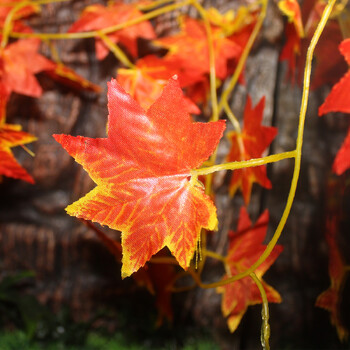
(154, 171)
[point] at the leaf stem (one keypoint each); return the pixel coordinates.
(118, 53)
(232, 117)
(265, 327)
(245, 163)
(93, 34)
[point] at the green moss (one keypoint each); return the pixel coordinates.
(18, 340)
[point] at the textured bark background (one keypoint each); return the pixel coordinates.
(74, 268)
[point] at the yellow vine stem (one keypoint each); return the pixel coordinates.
(31, 153)
(118, 53)
(234, 121)
(152, 5)
(93, 34)
(265, 327)
(242, 60)
(245, 163)
(7, 29)
(299, 143)
(215, 111)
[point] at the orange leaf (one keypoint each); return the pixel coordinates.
(294, 32)
(7, 5)
(143, 176)
(248, 144)
(97, 17)
(342, 159)
(291, 9)
(245, 248)
(338, 99)
(146, 81)
(69, 77)
(11, 136)
(192, 42)
(331, 298)
(18, 64)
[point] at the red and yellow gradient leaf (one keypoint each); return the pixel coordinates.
(17, 25)
(192, 42)
(338, 99)
(143, 176)
(245, 248)
(146, 81)
(19, 62)
(4, 97)
(12, 136)
(294, 32)
(97, 17)
(250, 143)
(7, 5)
(331, 298)
(69, 77)
(291, 9)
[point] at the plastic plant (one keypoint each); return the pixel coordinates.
(154, 170)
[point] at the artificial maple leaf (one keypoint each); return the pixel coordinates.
(19, 62)
(291, 9)
(331, 298)
(11, 136)
(145, 82)
(7, 5)
(338, 101)
(294, 32)
(68, 76)
(4, 97)
(5, 8)
(192, 42)
(248, 144)
(342, 159)
(245, 248)
(97, 17)
(143, 176)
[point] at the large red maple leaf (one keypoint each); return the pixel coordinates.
(143, 174)
(248, 144)
(10, 136)
(97, 17)
(245, 248)
(331, 298)
(19, 62)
